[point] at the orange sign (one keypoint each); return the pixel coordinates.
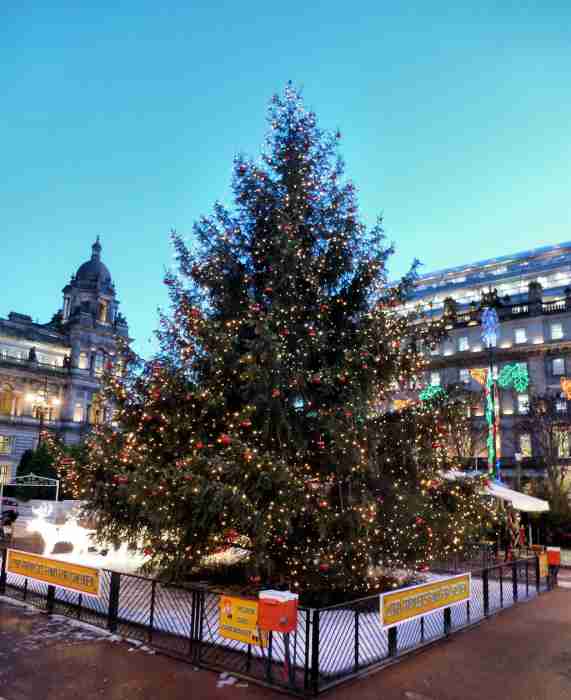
(64, 574)
(415, 601)
(239, 620)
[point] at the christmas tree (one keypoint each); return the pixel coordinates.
(264, 422)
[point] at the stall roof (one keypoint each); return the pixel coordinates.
(520, 501)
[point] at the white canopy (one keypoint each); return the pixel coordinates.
(520, 501)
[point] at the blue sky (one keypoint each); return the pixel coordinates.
(122, 120)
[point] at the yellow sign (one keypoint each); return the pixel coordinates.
(416, 601)
(239, 620)
(73, 577)
(543, 565)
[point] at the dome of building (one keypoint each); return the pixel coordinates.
(94, 270)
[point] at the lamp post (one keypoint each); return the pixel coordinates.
(490, 329)
(43, 402)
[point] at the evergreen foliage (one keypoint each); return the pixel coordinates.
(264, 424)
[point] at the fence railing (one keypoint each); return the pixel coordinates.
(330, 645)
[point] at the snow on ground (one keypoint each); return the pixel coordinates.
(172, 614)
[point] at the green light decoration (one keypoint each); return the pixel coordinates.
(432, 393)
(490, 418)
(514, 375)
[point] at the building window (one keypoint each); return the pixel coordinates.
(66, 303)
(525, 445)
(562, 442)
(463, 344)
(465, 376)
(6, 401)
(6, 443)
(99, 362)
(6, 471)
(102, 312)
(435, 378)
(556, 331)
(83, 360)
(78, 413)
(558, 366)
(523, 403)
(561, 406)
(520, 335)
(435, 350)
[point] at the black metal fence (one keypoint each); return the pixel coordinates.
(329, 646)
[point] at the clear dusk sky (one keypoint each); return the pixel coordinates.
(122, 119)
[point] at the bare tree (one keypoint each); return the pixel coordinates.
(549, 426)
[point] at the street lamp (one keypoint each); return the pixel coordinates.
(43, 402)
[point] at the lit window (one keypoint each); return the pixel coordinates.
(83, 360)
(556, 331)
(6, 443)
(520, 335)
(99, 362)
(465, 376)
(523, 403)
(561, 406)
(6, 469)
(435, 378)
(525, 445)
(562, 442)
(78, 413)
(435, 350)
(558, 366)
(463, 343)
(6, 400)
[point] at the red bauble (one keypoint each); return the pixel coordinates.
(284, 332)
(199, 445)
(255, 579)
(276, 393)
(148, 551)
(120, 479)
(268, 290)
(316, 379)
(188, 477)
(225, 440)
(195, 313)
(279, 540)
(256, 308)
(348, 414)
(246, 424)
(312, 332)
(324, 567)
(419, 520)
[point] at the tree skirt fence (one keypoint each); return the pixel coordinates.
(329, 645)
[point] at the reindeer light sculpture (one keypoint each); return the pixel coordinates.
(69, 532)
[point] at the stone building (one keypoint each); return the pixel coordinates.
(531, 292)
(49, 373)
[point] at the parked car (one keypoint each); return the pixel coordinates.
(9, 505)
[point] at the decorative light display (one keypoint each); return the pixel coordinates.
(514, 376)
(259, 422)
(566, 387)
(479, 375)
(432, 393)
(490, 327)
